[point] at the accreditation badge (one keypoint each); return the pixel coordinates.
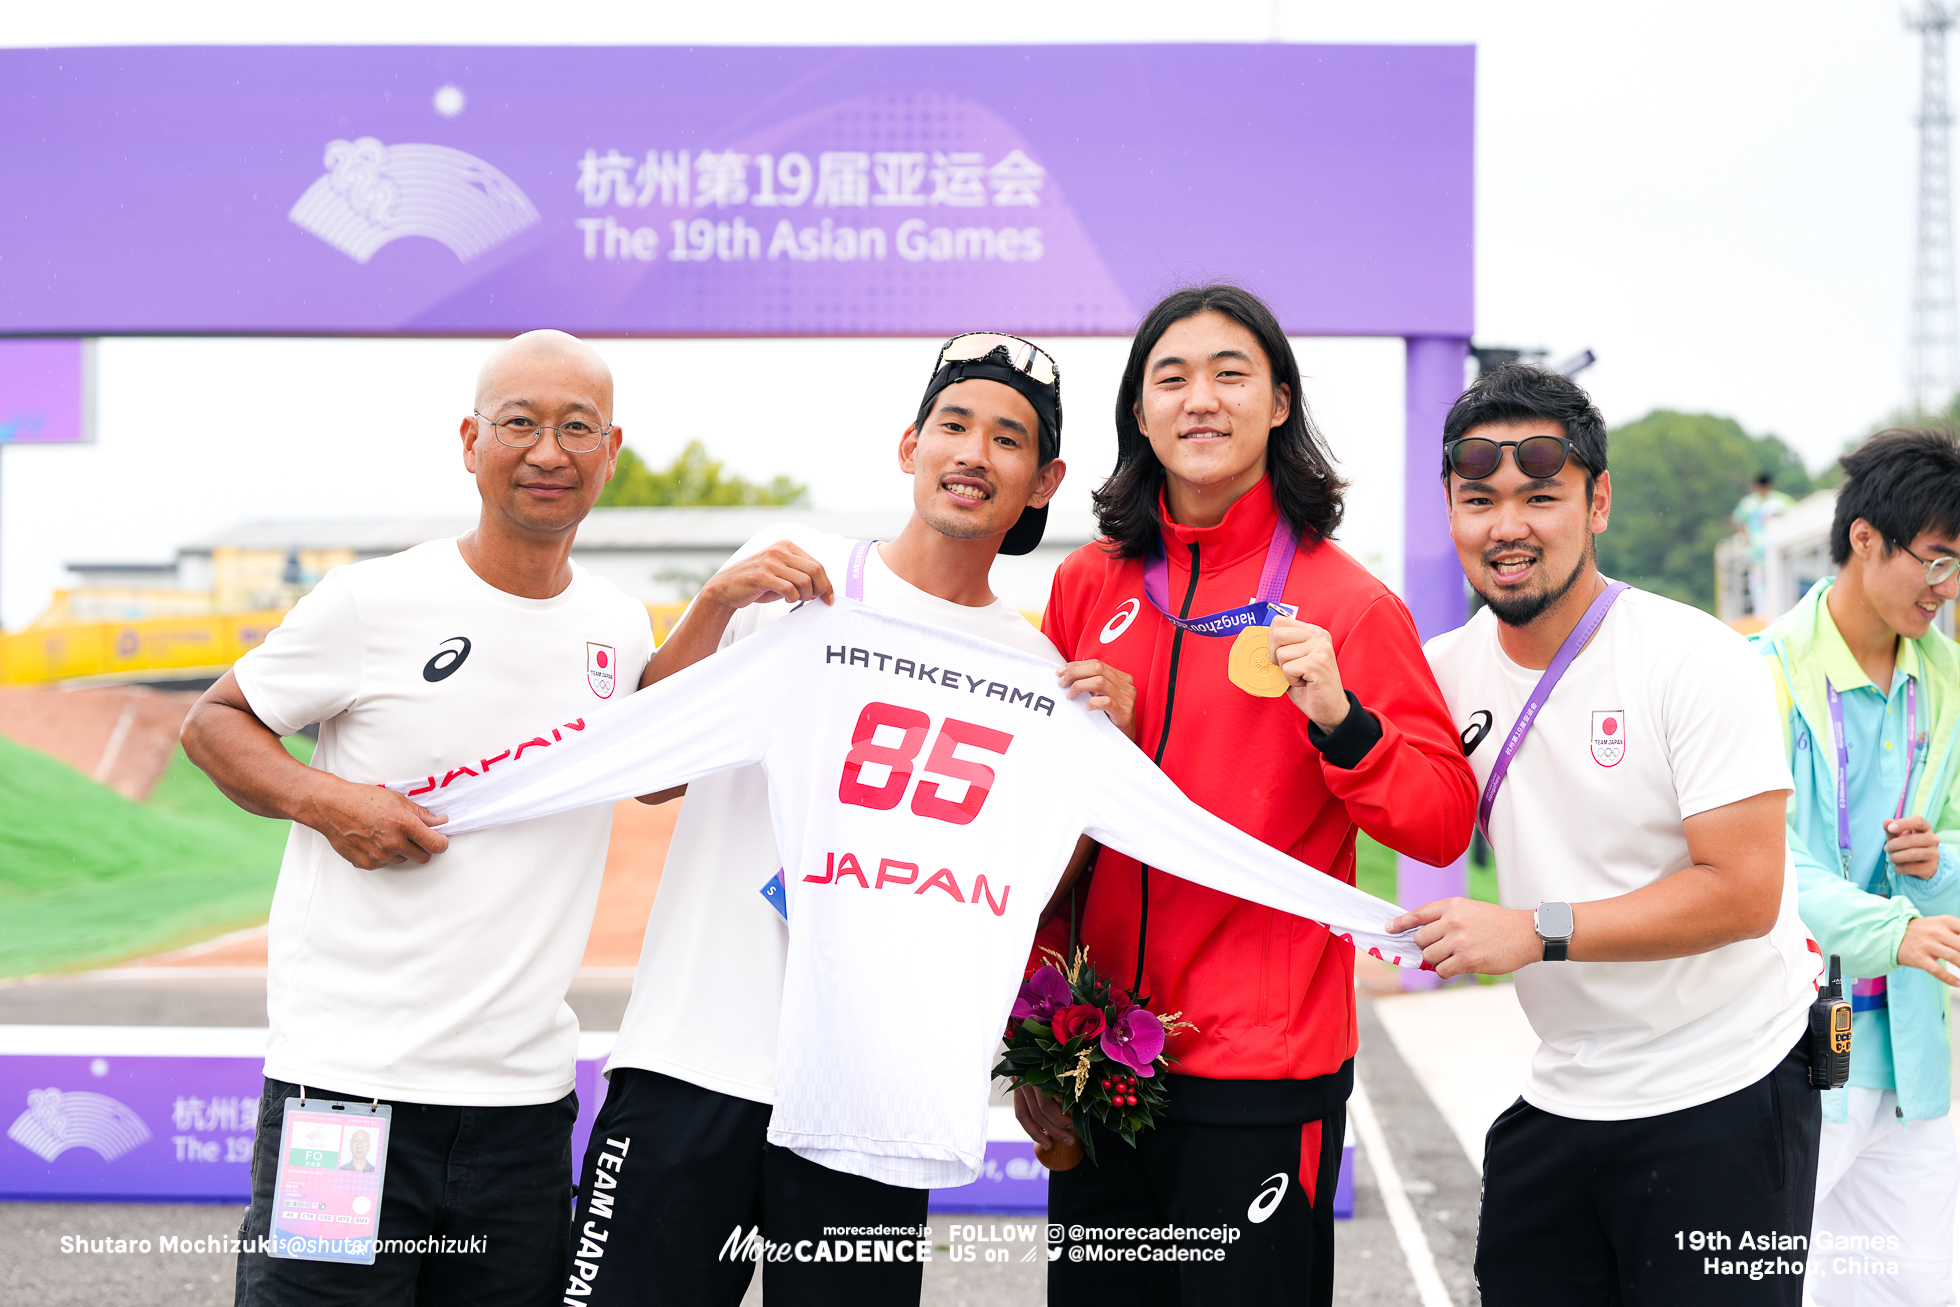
(1251, 665)
(326, 1197)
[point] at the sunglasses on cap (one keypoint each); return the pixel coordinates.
(1539, 457)
(1022, 356)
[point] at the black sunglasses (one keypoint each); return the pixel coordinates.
(1539, 457)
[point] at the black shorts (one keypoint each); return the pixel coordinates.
(494, 1182)
(681, 1194)
(1703, 1205)
(1244, 1226)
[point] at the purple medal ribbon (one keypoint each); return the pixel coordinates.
(1272, 580)
(854, 573)
(1868, 995)
(1541, 692)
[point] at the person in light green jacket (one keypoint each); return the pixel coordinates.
(1871, 695)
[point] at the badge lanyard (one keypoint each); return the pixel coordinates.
(1870, 994)
(1279, 559)
(1841, 775)
(1541, 692)
(854, 572)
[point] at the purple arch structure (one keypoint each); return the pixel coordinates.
(754, 191)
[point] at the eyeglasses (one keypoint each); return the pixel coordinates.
(1938, 570)
(1538, 457)
(521, 432)
(1018, 354)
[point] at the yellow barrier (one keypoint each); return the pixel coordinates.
(130, 650)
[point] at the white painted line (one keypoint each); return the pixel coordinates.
(113, 749)
(133, 1041)
(188, 1041)
(1401, 1213)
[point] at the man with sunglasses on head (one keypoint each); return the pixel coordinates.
(1870, 696)
(680, 1187)
(437, 987)
(1633, 787)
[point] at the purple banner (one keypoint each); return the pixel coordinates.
(161, 1128)
(751, 191)
(47, 392)
(120, 1124)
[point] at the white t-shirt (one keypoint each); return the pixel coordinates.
(710, 985)
(1667, 713)
(441, 983)
(926, 790)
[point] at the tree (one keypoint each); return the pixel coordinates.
(1676, 479)
(693, 481)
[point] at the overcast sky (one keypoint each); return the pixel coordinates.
(1715, 198)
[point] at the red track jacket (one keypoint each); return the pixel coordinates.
(1272, 995)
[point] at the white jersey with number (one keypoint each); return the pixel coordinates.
(441, 983)
(926, 790)
(710, 984)
(1665, 714)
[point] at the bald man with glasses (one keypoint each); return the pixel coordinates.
(407, 968)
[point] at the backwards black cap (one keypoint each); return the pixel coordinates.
(988, 356)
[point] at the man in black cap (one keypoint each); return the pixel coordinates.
(680, 1193)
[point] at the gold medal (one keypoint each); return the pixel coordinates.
(1251, 664)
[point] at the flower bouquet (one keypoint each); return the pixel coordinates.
(1091, 1045)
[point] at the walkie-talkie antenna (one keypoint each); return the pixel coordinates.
(1837, 981)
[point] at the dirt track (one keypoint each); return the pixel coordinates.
(122, 736)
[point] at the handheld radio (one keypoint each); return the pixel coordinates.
(1830, 1034)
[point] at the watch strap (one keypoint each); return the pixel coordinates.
(1555, 949)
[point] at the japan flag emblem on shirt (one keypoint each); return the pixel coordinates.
(1609, 736)
(601, 664)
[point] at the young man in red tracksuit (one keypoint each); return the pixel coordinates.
(1223, 490)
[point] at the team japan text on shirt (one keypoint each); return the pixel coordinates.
(925, 804)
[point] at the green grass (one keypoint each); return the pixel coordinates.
(89, 878)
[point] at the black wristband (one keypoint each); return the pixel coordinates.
(1555, 949)
(1347, 744)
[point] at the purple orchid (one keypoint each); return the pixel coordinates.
(1046, 990)
(1135, 1039)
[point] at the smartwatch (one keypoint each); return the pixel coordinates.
(1553, 922)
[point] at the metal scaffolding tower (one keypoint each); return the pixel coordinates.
(1934, 370)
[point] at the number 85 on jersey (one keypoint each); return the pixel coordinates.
(877, 774)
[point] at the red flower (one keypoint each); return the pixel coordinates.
(1120, 1002)
(1078, 1021)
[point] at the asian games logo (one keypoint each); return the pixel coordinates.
(373, 194)
(601, 668)
(56, 1121)
(1609, 736)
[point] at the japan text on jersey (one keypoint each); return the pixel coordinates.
(926, 794)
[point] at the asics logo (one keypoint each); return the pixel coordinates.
(447, 659)
(1125, 614)
(1267, 1200)
(1473, 734)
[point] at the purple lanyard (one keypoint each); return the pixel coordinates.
(1915, 744)
(1272, 580)
(1541, 692)
(854, 574)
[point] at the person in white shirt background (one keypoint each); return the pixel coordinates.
(679, 1174)
(1665, 1148)
(437, 987)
